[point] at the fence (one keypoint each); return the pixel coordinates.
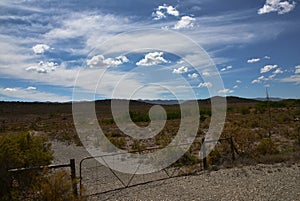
(96, 178)
(71, 165)
(233, 149)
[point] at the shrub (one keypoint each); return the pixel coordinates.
(120, 142)
(56, 186)
(186, 159)
(267, 146)
(137, 146)
(23, 150)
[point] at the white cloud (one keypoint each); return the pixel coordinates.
(87, 27)
(205, 73)
(256, 81)
(293, 78)
(180, 70)
(260, 79)
(254, 60)
(281, 7)
(205, 84)
(271, 76)
(278, 71)
(31, 88)
(40, 48)
(100, 61)
(235, 86)
(152, 58)
(161, 12)
(238, 81)
(24, 94)
(267, 68)
(194, 75)
(226, 68)
(10, 89)
(225, 91)
(297, 69)
(267, 57)
(185, 22)
(42, 67)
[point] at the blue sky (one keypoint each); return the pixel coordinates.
(115, 49)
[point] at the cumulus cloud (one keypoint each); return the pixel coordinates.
(226, 68)
(194, 75)
(100, 61)
(161, 12)
(297, 69)
(267, 57)
(31, 88)
(185, 22)
(10, 89)
(238, 81)
(278, 71)
(225, 91)
(259, 80)
(205, 85)
(42, 67)
(40, 48)
(293, 78)
(281, 7)
(254, 60)
(180, 70)
(152, 58)
(235, 86)
(267, 68)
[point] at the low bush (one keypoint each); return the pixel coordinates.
(23, 150)
(267, 146)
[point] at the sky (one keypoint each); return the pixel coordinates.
(59, 51)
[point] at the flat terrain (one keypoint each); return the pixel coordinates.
(266, 136)
(260, 182)
(279, 181)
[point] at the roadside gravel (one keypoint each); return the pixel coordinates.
(260, 182)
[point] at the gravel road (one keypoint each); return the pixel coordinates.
(260, 182)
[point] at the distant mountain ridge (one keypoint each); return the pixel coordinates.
(229, 99)
(271, 99)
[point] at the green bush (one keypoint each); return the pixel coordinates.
(58, 187)
(22, 150)
(267, 146)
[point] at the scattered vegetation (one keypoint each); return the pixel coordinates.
(247, 122)
(29, 150)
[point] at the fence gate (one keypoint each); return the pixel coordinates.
(95, 178)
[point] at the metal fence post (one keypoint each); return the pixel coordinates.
(204, 154)
(73, 176)
(232, 149)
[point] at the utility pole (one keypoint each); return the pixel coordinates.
(269, 112)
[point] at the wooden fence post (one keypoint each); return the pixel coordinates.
(73, 176)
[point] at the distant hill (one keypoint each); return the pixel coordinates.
(271, 99)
